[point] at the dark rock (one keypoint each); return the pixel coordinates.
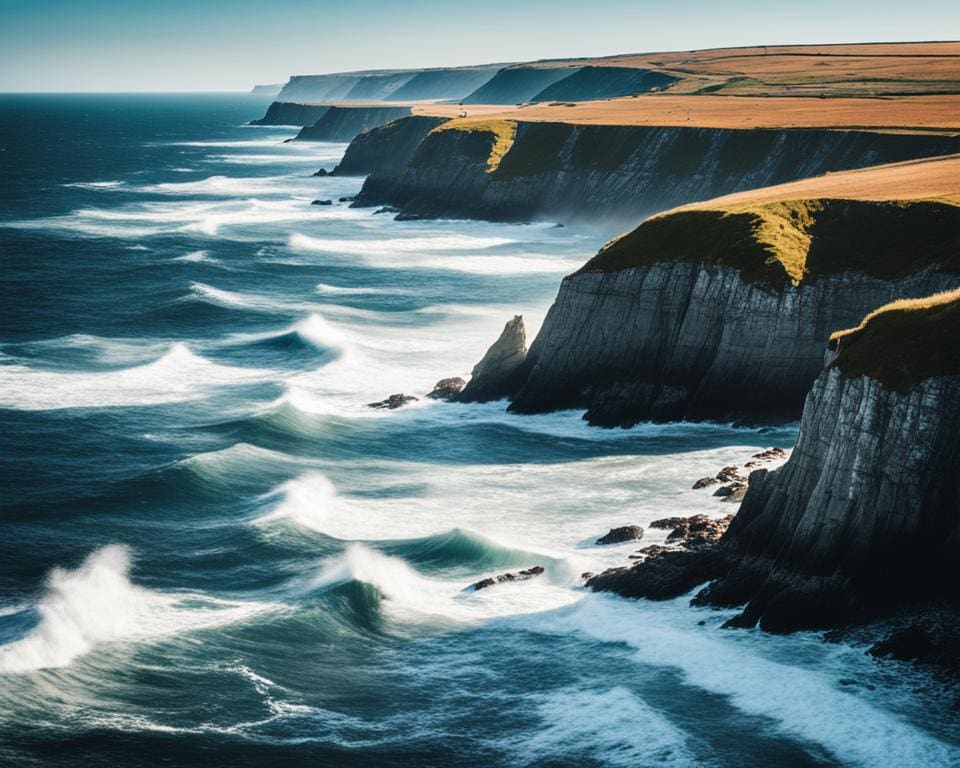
(703, 482)
(906, 644)
(497, 375)
(737, 492)
(322, 172)
(348, 199)
(727, 474)
(386, 209)
(771, 454)
(529, 573)
(667, 522)
(622, 534)
(663, 576)
(447, 389)
(647, 551)
(322, 202)
(394, 401)
(731, 489)
(698, 530)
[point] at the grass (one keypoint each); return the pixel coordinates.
(503, 132)
(903, 342)
(788, 242)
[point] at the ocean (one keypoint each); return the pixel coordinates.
(213, 552)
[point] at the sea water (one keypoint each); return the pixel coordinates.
(214, 553)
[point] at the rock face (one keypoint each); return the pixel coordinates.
(621, 534)
(589, 83)
(290, 113)
(386, 148)
(513, 85)
(344, 123)
(682, 320)
(617, 175)
(499, 372)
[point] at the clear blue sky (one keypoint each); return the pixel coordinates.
(136, 45)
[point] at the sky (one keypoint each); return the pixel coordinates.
(206, 45)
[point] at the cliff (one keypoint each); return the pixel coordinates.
(445, 84)
(270, 90)
(866, 513)
(318, 87)
(386, 148)
(614, 176)
(723, 313)
(495, 376)
(288, 113)
(514, 85)
(591, 83)
(344, 123)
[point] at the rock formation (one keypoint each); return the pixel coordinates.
(865, 515)
(499, 372)
(724, 313)
(447, 389)
(614, 176)
(344, 123)
(503, 578)
(289, 113)
(386, 148)
(394, 401)
(621, 534)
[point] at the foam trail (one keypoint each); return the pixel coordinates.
(398, 244)
(804, 702)
(178, 376)
(97, 604)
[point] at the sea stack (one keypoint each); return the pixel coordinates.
(497, 375)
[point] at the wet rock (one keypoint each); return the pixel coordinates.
(906, 645)
(322, 172)
(703, 482)
(728, 474)
(667, 523)
(348, 199)
(529, 573)
(322, 202)
(447, 389)
(622, 534)
(386, 209)
(649, 550)
(737, 492)
(731, 489)
(663, 576)
(771, 454)
(698, 530)
(498, 374)
(394, 401)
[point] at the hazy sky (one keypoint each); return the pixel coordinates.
(135, 45)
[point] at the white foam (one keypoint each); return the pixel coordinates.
(309, 501)
(198, 257)
(97, 604)
(95, 185)
(335, 290)
(613, 727)
(804, 702)
(449, 242)
(178, 376)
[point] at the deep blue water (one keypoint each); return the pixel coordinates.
(212, 551)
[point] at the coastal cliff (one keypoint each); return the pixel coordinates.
(344, 123)
(723, 313)
(614, 176)
(289, 113)
(386, 148)
(864, 517)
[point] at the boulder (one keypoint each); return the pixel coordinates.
(322, 202)
(447, 389)
(498, 374)
(703, 482)
(322, 172)
(622, 534)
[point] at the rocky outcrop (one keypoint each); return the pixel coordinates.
(344, 123)
(386, 148)
(317, 88)
(864, 518)
(447, 389)
(393, 402)
(378, 87)
(289, 113)
(621, 534)
(614, 176)
(270, 90)
(505, 578)
(501, 368)
(445, 83)
(701, 315)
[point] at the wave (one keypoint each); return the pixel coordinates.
(219, 186)
(97, 603)
(464, 549)
(336, 290)
(734, 665)
(178, 376)
(95, 185)
(383, 254)
(198, 257)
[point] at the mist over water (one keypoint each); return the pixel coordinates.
(212, 546)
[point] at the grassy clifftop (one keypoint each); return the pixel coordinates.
(886, 221)
(789, 242)
(903, 342)
(502, 134)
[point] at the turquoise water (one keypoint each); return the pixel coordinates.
(214, 553)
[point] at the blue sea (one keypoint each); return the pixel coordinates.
(213, 553)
